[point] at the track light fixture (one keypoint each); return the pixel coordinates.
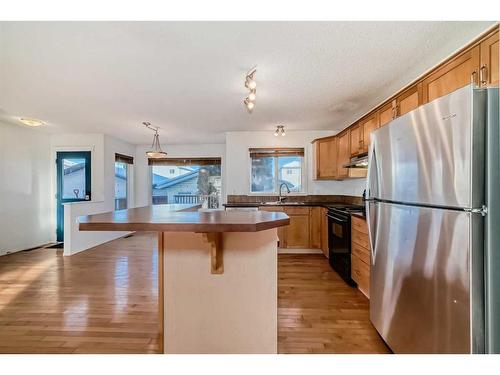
(156, 152)
(280, 130)
(251, 85)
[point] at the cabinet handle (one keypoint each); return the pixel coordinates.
(393, 112)
(473, 78)
(483, 75)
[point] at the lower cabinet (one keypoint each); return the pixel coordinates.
(306, 228)
(297, 234)
(360, 254)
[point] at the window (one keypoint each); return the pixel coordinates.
(122, 163)
(271, 167)
(186, 181)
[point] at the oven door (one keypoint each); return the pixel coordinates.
(338, 234)
(339, 243)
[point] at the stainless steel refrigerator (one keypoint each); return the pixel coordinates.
(433, 178)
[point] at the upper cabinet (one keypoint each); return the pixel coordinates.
(356, 140)
(488, 71)
(344, 155)
(453, 75)
(367, 126)
(408, 100)
(326, 158)
(387, 113)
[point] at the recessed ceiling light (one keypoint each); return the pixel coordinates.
(31, 121)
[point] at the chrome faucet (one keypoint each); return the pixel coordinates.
(280, 198)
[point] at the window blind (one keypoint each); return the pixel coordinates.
(124, 159)
(273, 152)
(185, 161)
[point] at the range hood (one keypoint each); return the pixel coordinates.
(359, 162)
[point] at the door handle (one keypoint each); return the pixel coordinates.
(473, 78)
(483, 75)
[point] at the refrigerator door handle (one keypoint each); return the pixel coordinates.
(372, 188)
(372, 226)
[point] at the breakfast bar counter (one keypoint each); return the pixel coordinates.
(217, 275)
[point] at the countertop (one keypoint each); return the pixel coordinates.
(178, 218)
(285, 204)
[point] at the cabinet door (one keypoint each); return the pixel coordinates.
(386, 113)
(368, 125)
(488, 72)
(344, 154)
(356, 140)
(408, 100)
(326, 158)
(455, 74)
(281, 230)
(315, 223)
(297, 233)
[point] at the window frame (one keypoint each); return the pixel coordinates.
(276, 177)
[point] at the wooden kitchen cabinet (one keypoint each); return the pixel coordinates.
(356, 140)
(344, 154)
(326, 158)
(360, 254)
(367, 126)
(315, 221)
(297, 234)
(488, 71)
(386, 113)
(408, 100)
(453, 75)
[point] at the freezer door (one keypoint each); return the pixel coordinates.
(433, 155)
(492, 225)
(421, 277)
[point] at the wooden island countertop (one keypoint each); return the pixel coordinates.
(211, 265)
(180, 218)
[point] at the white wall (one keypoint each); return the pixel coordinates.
(238, 161)
(24, 188)
(103, 186)
(142, 170)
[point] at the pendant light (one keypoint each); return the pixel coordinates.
(156, 152)
(280, 130)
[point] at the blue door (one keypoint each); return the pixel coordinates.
(73, 183)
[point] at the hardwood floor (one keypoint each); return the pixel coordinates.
(104, 300)
(318, 312)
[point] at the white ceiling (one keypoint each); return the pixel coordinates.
(187, 77)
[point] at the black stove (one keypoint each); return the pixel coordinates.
(339, 238)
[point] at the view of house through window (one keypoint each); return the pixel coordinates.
(122, 173)
(272, 167)
(193, 181)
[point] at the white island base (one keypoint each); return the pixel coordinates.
(233, 311)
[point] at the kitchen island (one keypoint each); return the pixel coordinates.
(217, 274)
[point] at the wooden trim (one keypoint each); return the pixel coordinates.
(273, 152)
(216, 255)
(184, 161)
(120, 158)
(161, 293)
